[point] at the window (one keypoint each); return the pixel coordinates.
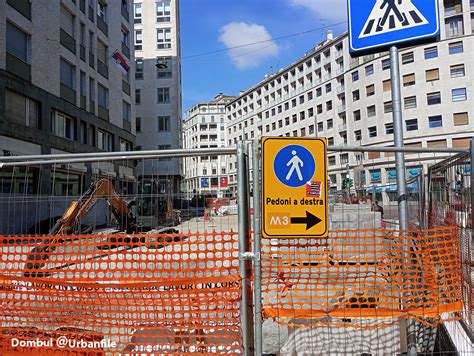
(356, 115)
(389, 129)
(435, 121)
(138, 96)
(459, 94)
(408, 58)
(67, 22)
(372, 131)
(138, 40)
(355, 76)
(138, 13)
(125, 37)
(64, 126)
(320, 126)
(102, 10)
(164, 38)
(125, 145)
(18, 43)
(328, 89)
(163, 11)
(92, 95)
(103, 96)
(370, 90)
(138, 124)
(67, 74)
(330, 124)
(163, 95)
(431, 52)
(434, 98)
(410, 102)
(386, 64)
(371, 111)
(387, 107)
(456, 47)
(164, 123)
(164, 67)
(82, 84)
(329, 105)
(139, 68)
(331, 141)
(387, 85)
(355, 95)
(358, 135)
(411, 125)
(409, 80)
(21, 109)
(432, 75)
(319, 92)
(457, 71)
(461, 119)
(369, 70)
(105, 141)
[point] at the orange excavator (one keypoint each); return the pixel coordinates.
(70, 223)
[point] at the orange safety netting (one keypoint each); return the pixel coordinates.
(356, 276)
(137, 294)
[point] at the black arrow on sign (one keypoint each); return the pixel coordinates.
(310, 220)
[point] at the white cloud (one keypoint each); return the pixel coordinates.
(237, 34)
(325, 9)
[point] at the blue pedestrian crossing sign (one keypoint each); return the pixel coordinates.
(374, 24)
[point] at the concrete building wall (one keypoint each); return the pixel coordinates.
(205, 126)
(38, 113)
(317, 96)
(153, 51)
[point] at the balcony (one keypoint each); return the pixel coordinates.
(454, 32)
(82, 6)
(341, 108)
(102, 69)
(342, 127)
(125, 14)
(103, 113)
(91, 14)
(453, 10)
(67, 93)
(22, 6)
(125, 87)
(16, 66)
(67, 41)
(82, 52)
(340, 71)
(340, 89)
(125, 50)
(91, 60)
(102, 26)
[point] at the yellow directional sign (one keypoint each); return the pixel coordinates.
(294, 180)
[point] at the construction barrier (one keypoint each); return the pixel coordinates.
(130, 294)
(356, 276)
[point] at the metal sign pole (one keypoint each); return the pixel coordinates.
(257, 236)
(245, 256)
(401, 174)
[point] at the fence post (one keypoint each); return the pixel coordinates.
(245, 262)
(257, 224)
(401, 174)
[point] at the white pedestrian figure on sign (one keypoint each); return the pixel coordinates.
(296, 163)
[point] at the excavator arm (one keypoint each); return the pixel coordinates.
(67, 224)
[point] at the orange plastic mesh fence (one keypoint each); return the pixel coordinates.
(358, 275)
(146, 294)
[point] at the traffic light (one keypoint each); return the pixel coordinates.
(347, 183)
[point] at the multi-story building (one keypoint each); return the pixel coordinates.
(348, 100)
(205, 126)
(61, 91)
(158, 85)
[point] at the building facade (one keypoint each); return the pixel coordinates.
(328, 93)
(205, 126)
(60, 90)
(158, 85)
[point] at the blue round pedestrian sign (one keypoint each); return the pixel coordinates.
(294, 166)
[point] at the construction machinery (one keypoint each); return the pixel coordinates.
(154, 212)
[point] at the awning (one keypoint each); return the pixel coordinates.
(393, 187)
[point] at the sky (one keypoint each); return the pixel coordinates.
(221, 25)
